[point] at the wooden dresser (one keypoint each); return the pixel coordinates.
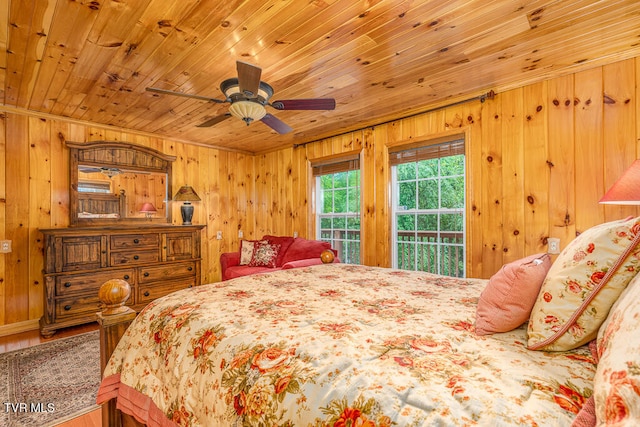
(155, 260)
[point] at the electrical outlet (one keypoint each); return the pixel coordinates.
(553, 245)
(219, 235)
(295, 234)
(5, 246)
(240, 234)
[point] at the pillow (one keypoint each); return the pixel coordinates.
(507, 300)
(264, 255)
(246, 250)
(283, 241)
(582, 285)
(616, 385)
(302, 248)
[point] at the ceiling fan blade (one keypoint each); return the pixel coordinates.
(305, 104)
(276, 124)
(186, 95)
(248, 78)
(215, 120)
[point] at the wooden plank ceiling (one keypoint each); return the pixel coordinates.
(91, 61)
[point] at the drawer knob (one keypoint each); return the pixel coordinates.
(146, 274)
(67, 307)
(67, 285)
(136, 241)
(190, 268)
(136, 257)
(191, 286)
(146, 293)
(126, 277)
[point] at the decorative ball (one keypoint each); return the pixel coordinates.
(113, 294)
(327, 256)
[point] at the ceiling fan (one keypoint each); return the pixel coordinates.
(249, 96)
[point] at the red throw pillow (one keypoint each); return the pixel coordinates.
(264, 255)
(508, 299)
(283, 241)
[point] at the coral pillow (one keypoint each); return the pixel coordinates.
(582, 285)
(264, 255)
(507, 300)
(247, 247)
(302, 249)
(616, 385)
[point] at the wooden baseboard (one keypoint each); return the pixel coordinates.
(16, 328)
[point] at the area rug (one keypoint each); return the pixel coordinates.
(50, 383)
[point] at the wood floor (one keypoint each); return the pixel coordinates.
(28, 339)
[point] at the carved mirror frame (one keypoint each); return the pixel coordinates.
(114, 155)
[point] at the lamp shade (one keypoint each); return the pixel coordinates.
(626, 190)
(247, 111)
(148, 208)
(186, 194)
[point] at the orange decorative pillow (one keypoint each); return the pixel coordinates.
(507, 300)
(582, 285)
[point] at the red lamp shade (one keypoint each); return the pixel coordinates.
(148, 208)
(626, 190)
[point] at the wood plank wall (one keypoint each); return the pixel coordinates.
(538, 159)
(34, 194)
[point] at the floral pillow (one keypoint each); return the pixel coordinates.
(507, 300)
(582, 285)
(264, 255)
(247, 247)
(616, 385)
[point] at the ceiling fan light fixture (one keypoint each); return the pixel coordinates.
(248, 111)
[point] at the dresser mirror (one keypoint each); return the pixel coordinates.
(118, 183)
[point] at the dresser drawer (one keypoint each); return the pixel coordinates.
(133, 257)
(89, 283)
(131, 241)
(78, 306)
(166, 272)
(148, 293)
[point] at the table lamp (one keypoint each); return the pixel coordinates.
(148, 209)
(187, 195)
(626, 190)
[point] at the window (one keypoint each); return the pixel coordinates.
(338, 206)
(428, 208)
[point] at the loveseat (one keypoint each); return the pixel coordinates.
(272, 253)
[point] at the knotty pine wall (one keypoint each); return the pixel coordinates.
(538, 159)
(34, 194)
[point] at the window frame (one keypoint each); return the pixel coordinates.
(348, 161)
(401, 151)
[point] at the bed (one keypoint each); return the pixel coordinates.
(340, 345)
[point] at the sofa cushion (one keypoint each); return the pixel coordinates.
(582, 285)
(247, 247)
(283, 241)
(302, 248)
(245, 270)
(507, 300)
(264, 254)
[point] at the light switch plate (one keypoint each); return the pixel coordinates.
(553, 245)
(219, 235)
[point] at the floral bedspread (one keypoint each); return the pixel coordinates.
(337, 345)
